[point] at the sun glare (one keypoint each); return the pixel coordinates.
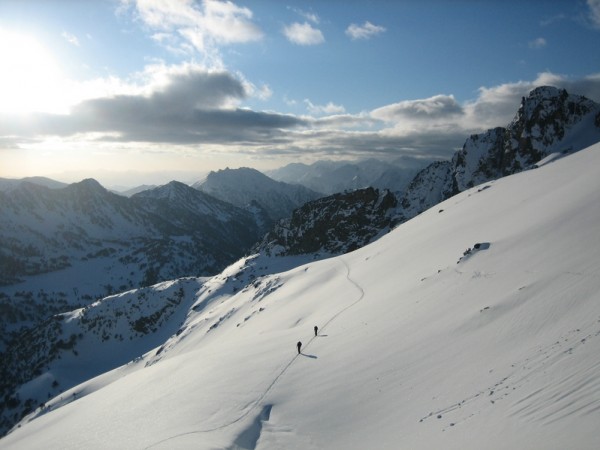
(30, 79)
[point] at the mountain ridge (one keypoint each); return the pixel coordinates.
(241, 187)
(548, 120)
(84, 229)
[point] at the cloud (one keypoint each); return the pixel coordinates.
(437, 107)
(202, 26)
(329, 108)
(588, 86)
(365, 31)
(594, 8)
(537, 43)
(310, 16)
(181, 105)
(362, 121)
(553, 19)
(303, 34)
(189, 110)
(70, 38)
(195, 106)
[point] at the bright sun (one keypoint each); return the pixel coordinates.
(30, 79)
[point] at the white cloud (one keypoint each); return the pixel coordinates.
(262, 92)
(310, 16)
(365, 31)
(436, 107)
(329, 108)
(289, 101)
(434, 117)
(229, 23)
(537, 43)
(303, 34)
(553, 19)
(594, 6)
(203, 25)
(70, 38)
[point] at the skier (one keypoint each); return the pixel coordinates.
(316, 330)
(299, 345)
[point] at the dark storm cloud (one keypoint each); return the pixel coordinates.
(192, 108)
(195, 109)
(323, 144)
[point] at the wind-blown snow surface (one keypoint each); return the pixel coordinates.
(420, 346)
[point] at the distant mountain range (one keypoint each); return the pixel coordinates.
(8, 184)
(66, 247)
(331, 177)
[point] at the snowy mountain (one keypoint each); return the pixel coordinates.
(128, 192)
(421, 343)
(65, 248)
(549, 121)
(332, 225)
(331, 177)
(249, 188)
(8, 184)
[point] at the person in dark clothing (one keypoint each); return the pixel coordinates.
(316, 330)
(299, 345)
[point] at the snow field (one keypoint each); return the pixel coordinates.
(418, 348)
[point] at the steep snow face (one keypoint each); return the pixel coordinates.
(425, 340)
(428, 188)
(468, 168)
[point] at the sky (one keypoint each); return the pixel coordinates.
(145, 91)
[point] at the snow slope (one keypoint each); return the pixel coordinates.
(422, 344)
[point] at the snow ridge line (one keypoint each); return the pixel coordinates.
(276, 379)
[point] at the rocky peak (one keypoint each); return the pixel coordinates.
(549, 120)
(547, 113)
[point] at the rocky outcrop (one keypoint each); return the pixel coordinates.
(336, 224)
(549, 120)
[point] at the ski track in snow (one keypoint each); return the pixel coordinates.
(254, 404)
